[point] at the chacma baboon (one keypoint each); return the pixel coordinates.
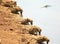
(9, 4)
(42, 39)
(27, 21)
(34, 30)
(16, 10)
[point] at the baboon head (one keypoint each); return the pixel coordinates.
(18, 9)
(30, 21)
(46, 39)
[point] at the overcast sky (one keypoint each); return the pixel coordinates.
(47, 18)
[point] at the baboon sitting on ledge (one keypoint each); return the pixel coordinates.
(41, 39)
(27, 21)
(13, 7)
(9, 4)
(35, 30)
(16, 10)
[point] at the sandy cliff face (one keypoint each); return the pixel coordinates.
(6, 0)
(12, 31)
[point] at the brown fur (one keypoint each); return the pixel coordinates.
(16, 10)
(9, 4)
(34, 30)
(42, 39)
(27, 21)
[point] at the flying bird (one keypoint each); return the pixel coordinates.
(46, 6)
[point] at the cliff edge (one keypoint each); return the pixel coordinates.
(15, 29)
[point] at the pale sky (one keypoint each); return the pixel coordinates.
(47, 18)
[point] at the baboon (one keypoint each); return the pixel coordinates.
(34, 30)
(16, 10)
(9, 4)
(13, 7)
(27, 21)
(42, 39)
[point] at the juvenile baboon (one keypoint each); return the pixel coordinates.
(27, 21)
(34, 30)
(16, 10)
(42, 39)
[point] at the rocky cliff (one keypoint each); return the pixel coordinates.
(15, 29)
